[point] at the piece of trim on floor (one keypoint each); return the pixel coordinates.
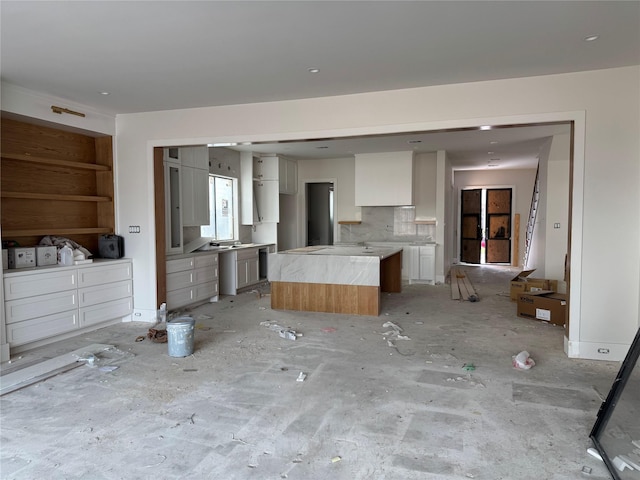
(461, 288)
(48, 368)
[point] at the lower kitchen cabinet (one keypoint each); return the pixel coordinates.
(240, 268)
(192, 279)
(41, 305)
(422, 268)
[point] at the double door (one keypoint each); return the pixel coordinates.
(485, 225)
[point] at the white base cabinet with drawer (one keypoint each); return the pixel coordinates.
(51, 303)
(192, 279)
(240, 269)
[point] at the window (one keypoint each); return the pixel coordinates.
(222, 209)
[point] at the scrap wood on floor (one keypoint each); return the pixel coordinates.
(461, 288)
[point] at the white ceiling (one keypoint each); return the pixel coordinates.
(162, 55)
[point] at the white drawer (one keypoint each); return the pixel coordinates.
(105, 311)
(42, 327)
(34, 307)
(104, 293)
(102, 274)
(204, 275)
(178, 280)
(247, 253)
(205, 260)
(205, 291)
(22, 286)
(179, 265)
(179, 298)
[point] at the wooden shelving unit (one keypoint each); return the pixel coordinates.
(55, 182)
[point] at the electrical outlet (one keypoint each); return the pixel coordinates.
(604, 351)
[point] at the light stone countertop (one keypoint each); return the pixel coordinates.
(339, 265)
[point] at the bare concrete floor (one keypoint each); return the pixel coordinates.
(367, 410)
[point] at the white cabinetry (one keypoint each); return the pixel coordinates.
(267, 200)
(384, 179)
(422, 268)
(192, 279)
(265, 168)
(240, 268)
(172, 207)
(288, 176)
(195, 197)
(195, 185)
(248, 211)
(43, 304)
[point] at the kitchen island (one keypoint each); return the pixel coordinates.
(334, 279)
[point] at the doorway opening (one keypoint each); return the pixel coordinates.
(319, 213)
(485, 223)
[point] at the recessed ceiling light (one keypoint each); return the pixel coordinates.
(313, 70)
(485, 127)
(492, 165)
(591, 38)
(490, 153)
(493, 142)
(104, 93)
(321, 147)
(414, 141)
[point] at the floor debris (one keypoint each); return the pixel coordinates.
(469, 367)
(157, 336)
(336, 459)
(301, 377)
(523, 361)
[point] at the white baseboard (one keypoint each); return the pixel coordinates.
(140, 315)
(4, 352)
(613, 352)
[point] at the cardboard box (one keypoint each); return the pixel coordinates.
(522, 283)
(22, 257)
(545, 305)
(46, 256)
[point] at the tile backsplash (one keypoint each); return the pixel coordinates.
(387, 224)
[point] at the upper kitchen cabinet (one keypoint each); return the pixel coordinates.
(194, 157)
(265, 167)
(384, 179)
(288, 176)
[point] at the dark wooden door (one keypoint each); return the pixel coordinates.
(471, 229)
(498, 225)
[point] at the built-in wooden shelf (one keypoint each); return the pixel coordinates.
(424, 222)
(56, 231)
(50, 196)
(349, 222)
(59, 163)
(55, 182)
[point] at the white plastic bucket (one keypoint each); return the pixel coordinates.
(180, 334)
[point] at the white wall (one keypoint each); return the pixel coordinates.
(424, 185)
(520, 179)
(340, 171)
(603, 103)
(556, 239)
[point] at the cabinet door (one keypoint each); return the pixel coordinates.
(173, 211)
(414, 262)
(268, 201)
(282, 175)
(242, 279)
(195, 157)
(104, 293)
(265, 168)
(427, 263)
(34, 307)
(246, 189)
(292, 177)
(253, 271)
(180, 264)
(195, 197)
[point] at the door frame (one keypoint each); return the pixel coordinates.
(302, 207)
(483, 219)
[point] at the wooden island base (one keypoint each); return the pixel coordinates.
(337, 298)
